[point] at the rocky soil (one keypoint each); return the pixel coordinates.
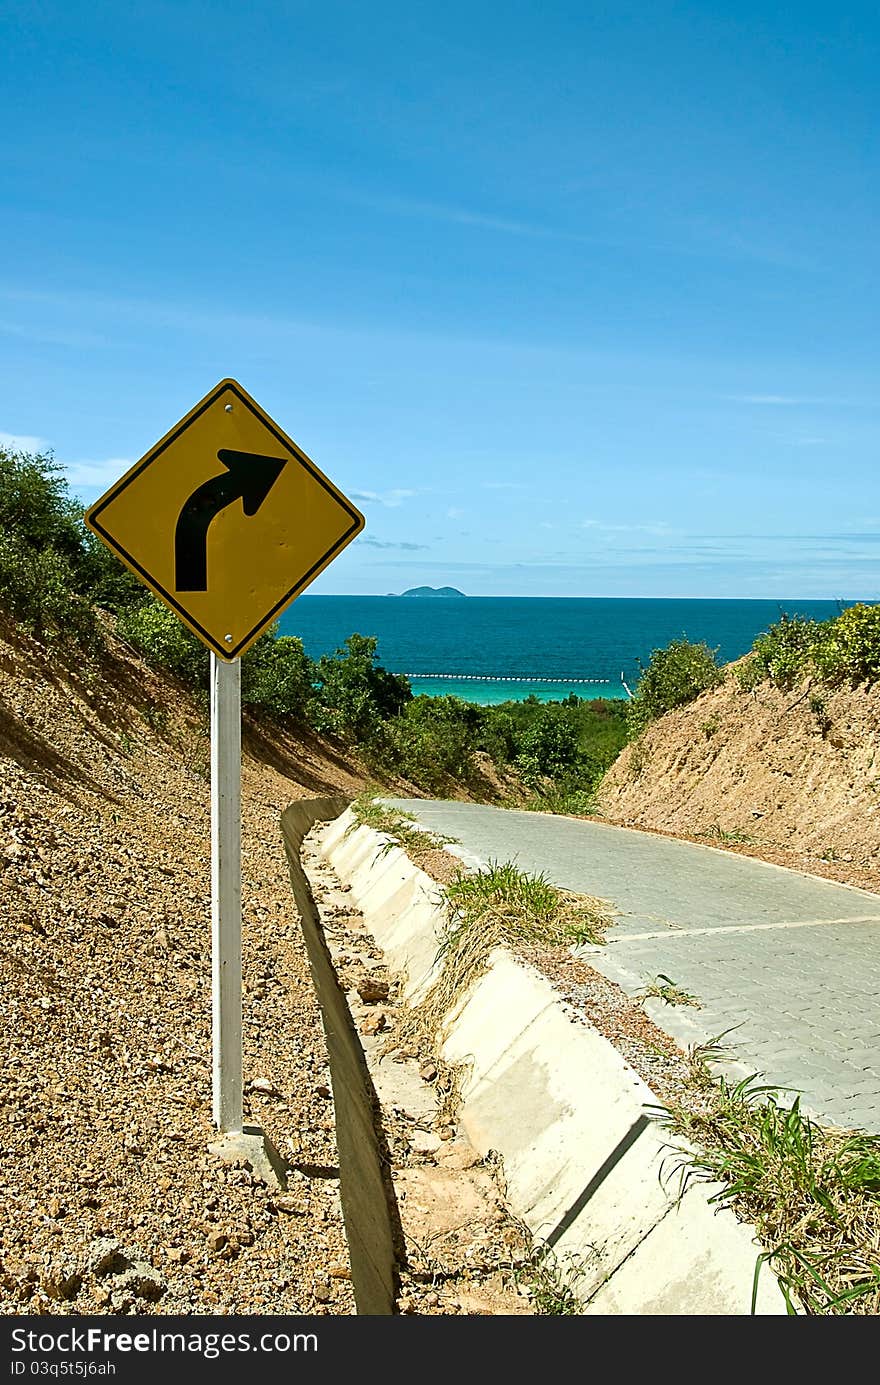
(112, 1201)
(792, 777)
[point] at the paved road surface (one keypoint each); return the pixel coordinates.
(792, 960)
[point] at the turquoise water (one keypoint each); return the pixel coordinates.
(518, 642)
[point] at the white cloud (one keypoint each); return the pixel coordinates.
(390, 499)
(23, 442)
(767, 399)
(659, 527)
(784, 400)
(96, 475)
(81, 476)
(388, 543)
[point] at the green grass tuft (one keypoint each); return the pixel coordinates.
(811, 1191)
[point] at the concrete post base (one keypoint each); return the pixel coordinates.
(251, 1147)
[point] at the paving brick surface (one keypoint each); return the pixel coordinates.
(787, 963)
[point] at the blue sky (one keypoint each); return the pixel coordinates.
(573, 298)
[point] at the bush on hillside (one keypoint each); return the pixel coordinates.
(107, 580)
(548, 748)
(496, 735)
(36, 508)
(37, 588)
(848, 647)
(42, 549)
(674, 676)
(430, 742)
(353, 694)
(783, 653)
(157, 634)
(277, 674)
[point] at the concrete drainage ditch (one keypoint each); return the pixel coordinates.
(585, 1167)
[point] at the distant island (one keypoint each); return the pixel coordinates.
(432, 591)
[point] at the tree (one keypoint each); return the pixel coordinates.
(354, 696)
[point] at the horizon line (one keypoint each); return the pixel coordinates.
(595, 596)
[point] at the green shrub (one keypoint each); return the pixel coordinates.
(38, 589)
(599, 725)
(431, 742)
(784, 652)
(353, 695)
(43, 581)
(848, 647)
(155, 631)
(548, 748)
(749, 673)
(108, 581)
(674, 676)
(277, 675)
(36, 509)
(573, 794)
(496, 734)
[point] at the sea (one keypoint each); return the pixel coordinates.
(491, 649)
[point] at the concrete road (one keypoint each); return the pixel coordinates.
(792, 960)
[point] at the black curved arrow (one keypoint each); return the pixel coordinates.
(248, 478)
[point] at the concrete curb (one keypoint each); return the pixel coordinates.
(587, 1169)
(368, 1202)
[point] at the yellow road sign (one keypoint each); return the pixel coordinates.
(226, 520)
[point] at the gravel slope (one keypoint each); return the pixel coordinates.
(111, 1201)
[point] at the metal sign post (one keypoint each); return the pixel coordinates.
(226, 892)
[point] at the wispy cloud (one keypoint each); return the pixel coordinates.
(23, 442)
(52, 336)
(465, 216)
(774, 400)
(787, 401)
(691, 237)
(390, 543)
(658, 528)
(389, 499)
(96, 475)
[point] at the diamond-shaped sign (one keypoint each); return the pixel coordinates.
(226, 520)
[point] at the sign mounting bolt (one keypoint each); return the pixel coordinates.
(227, 408)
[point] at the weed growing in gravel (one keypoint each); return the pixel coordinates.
(701, 1057)
(662, 987)
(812, 1192)
(368, 811)
(551, 1284)
(716, 833)
(497, 907)
(522, 907)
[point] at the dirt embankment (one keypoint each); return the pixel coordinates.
(111, 1202)
(790, 776)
